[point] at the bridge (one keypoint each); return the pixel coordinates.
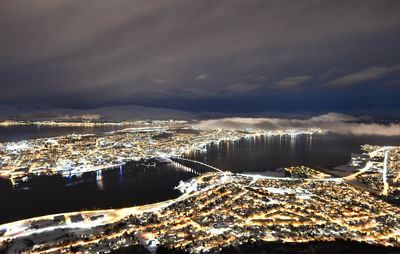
(185, 161)
(183, 167)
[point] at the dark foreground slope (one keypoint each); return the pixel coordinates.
(260, 247)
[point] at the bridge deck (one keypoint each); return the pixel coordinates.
(200, 163)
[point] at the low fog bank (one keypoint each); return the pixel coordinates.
(334, 122)
(109, 113)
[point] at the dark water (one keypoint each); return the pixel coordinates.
(270, 152)
(22, 132)
(114, 188)
(132, 185)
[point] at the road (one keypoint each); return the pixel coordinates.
(384, 174)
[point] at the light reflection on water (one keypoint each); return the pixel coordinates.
(268, 152)
(121, 177)
(99, 179)
(125, 186)
(135, 185)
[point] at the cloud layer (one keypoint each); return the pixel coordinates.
(197, 55)
(291, 81)
(115, 113)
(368, 74)
(334, 122)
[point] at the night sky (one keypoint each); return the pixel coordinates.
(201, 56)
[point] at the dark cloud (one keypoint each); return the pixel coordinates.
(185, 54)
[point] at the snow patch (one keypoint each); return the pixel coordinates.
(217, 231)
(224, 179)
(187, 187)
(303, 196)
(277, 190)
(152, 245)
(17, 146)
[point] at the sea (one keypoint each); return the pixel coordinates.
(138, 184)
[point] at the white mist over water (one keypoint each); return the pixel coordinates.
(334, 122)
